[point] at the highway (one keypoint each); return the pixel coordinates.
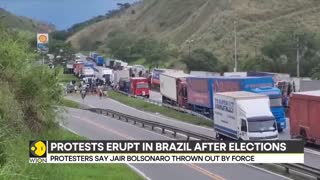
(98, 127)
(312, 158)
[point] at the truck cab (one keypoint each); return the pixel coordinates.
(182, 93)
(139, 86)
(244, 116)
(276, 106)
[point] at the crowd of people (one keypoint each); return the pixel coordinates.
(91, 87)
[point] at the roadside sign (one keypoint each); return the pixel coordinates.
(42, 42)
(42, 38)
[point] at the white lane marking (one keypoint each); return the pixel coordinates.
(267, 171)
(131, 166)
(311, 151)
(261, 169)
(138, 171)
(65, 127)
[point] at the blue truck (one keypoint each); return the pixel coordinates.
(99, 60)
(201, 90)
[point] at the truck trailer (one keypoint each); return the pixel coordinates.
(304, 116)
(118, 74)
(155, 76)
(173, 88)
(202, 89)
(99, 61)
(103, 74)
(242, 115)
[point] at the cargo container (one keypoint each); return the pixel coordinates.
(124, 85)
(99, 61)
(304, 116)
(155, 76)
(235, 74)
(204, 73)
(120, 74)
(243, 116)
(200, 90)
(139, 87)
(173, 88)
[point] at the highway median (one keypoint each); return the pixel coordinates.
(145, 106)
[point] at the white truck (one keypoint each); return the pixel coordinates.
(87, 73)
(171, 83)
(243, 116)
(103, 74)
(117, 75)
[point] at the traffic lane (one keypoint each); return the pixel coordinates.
(156, 96)
(121, 130)
(104, 128)
(312, 159)
(108, 103)
(236, 171)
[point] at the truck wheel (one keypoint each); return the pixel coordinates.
(280, 130)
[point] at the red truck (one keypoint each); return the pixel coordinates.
(304, 116)
(139, 86)
(77, 67)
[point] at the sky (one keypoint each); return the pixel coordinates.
(62, 13)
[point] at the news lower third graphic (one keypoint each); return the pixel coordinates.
(38, 152)
(61, 152)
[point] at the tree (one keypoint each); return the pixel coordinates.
(201, 60)
(280, 54)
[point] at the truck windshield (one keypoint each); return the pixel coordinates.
(276, 102)
(262, 124)
(142, 86)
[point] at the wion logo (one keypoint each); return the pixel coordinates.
(38, 152)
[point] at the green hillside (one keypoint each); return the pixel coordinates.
(210, 23)
(22, 23)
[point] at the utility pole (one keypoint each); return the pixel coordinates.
(298, 56)
(235, 47)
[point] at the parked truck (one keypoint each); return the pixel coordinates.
(304, 116)
(120, 74)
(87, 74)
(173, 88)
(155, 76)
(139, 87)
(99, 61)
(124, 85)
(77, 68)
(241, 115)
(202, 89)
(204, 73)
(103, 74)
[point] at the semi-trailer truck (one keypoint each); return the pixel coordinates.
(202, 89)
(242, 115)
(103, 74)
(304, 116)
(173, 88)
(155, 76)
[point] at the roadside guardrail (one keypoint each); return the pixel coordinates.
(166, 105)
(299, 168)
(152, 124)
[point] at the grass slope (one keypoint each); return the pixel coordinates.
(209, 23)
(140, 104)
(18, 162)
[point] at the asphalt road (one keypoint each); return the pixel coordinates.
(312, 158)
(98, 127)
